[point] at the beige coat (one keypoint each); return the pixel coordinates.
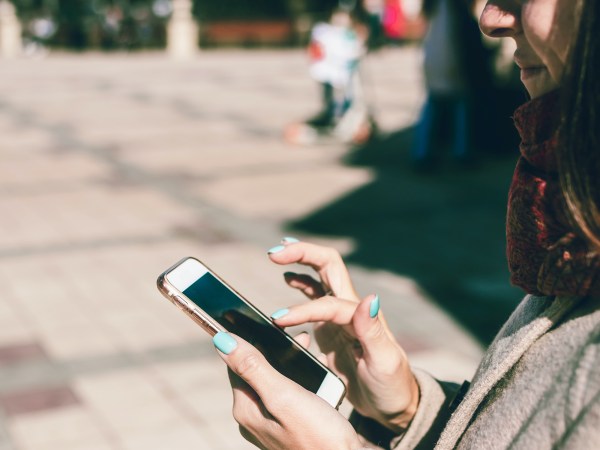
(538, 387)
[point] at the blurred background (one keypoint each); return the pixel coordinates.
(141, 24)
(136, 132)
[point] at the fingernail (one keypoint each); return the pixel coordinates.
(279, 313)
(275, 249)
(289, 240)
(374, 308)
(224, 342)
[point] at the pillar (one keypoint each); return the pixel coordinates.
(182, 31)
(10, 31)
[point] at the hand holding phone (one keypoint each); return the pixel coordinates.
(215, 306)
(274, 412)
(379, 380)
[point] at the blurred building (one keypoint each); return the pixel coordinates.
(255, 23)
(99, 24)
(142, 24)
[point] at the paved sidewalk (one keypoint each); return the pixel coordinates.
(112, 167)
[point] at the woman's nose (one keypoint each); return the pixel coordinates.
(500, 18)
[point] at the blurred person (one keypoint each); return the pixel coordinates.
(394, 20)
(456, 73)
(538, 384)
(39, 32)
(387, 22)
(374, 15)
(335, 50)
(111, 25)
(72, 20)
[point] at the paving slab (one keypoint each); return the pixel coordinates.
(114, 166)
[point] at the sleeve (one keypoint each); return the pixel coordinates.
(432, 414)
(584, 430)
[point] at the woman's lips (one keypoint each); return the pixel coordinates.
(528, 68)
(531, 71)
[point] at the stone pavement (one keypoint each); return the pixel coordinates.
(112, 167)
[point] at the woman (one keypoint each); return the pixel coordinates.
(457, 80)
(538, 385)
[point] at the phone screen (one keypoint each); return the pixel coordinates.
(226, 308)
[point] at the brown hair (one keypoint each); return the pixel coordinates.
(579, 152)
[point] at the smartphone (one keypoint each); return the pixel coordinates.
(215, 306)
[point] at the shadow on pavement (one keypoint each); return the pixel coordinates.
(443, 228)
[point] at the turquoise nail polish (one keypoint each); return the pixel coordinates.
(224, 342)
(275, 249)
(374, 308)
(290, 240)
(279, 313)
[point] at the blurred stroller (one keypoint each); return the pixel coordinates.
(335, 51)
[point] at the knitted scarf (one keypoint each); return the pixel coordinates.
(545, 256)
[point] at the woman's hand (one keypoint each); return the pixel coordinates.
(274, 412)
(352, 334)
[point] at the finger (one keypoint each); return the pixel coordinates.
(252, 367)
(378, 345)
(330, 362)
(324, 309)
(246, 402)
(247, 405)
(289, 240)
(305, 284)
(322, 357)
(303, 339)
(326, 261)
(240, 386)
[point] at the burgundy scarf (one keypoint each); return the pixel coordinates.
(545, 257)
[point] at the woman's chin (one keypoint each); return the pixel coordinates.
(538, 82)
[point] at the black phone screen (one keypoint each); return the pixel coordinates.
(225, 307)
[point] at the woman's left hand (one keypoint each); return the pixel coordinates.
(274, 412)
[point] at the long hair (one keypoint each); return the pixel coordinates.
(579, 152)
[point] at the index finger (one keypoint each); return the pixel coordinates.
(326, 261)
(324, 309)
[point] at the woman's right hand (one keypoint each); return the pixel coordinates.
(352, 334)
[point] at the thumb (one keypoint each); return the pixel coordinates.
(378, 344)
(251, 366)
